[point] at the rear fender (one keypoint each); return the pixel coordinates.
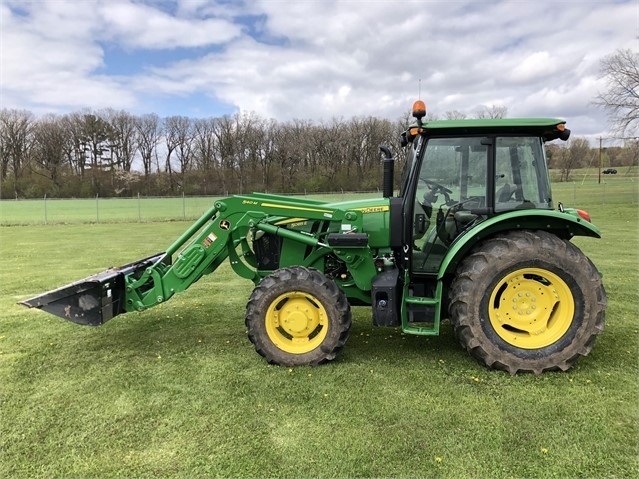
(564, 224)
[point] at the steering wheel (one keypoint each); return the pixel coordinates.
(436, 187)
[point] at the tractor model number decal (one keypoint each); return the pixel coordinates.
(298, 224)
(373, 209)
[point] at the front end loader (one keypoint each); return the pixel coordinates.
(473, 236)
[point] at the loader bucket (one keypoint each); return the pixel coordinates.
(94, 300)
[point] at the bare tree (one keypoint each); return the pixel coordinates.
(75, 150)
(629, 155)
(293, 152)
(492, 111)
(621, 98)
(364, 136)
(204, 152)
(171, 126)
(122, 141)
(266, 152)
(15, 142)
(51, 143)
(147, 137)
(204, 143)
(179, 131)
(330, 141)
(455, 115)
(576, 155)
(235, 145)
(257, 151)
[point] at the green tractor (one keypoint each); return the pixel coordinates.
(472, 236)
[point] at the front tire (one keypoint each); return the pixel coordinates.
(527, 301)
(297, 316)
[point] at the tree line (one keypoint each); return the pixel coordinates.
(114, 153)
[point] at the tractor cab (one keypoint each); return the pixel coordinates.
(459, 173)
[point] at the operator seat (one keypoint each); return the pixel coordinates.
(505, 193)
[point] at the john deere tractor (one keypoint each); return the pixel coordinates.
(473, 236)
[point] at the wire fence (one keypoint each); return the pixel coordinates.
(187, 208)
(139, 209)
(591, 193)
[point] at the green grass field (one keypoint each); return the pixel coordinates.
(178, 391)
(583, 190)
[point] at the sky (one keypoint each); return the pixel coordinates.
(313, 59)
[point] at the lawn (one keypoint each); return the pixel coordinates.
(178, 391)
(120, 210)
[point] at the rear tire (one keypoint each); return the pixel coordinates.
(527, 301)
(297, 316)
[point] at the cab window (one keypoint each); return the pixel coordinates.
(521, 180)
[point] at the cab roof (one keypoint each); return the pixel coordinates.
(548, 128)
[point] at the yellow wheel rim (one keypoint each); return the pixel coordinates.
(531, 308)
(296, 322)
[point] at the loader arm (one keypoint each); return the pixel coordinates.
(223, 232)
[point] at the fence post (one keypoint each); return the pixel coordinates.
(45, 209)
(97, 208)
(183, 206)
(139, 209)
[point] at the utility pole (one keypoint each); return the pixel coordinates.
(600, 139)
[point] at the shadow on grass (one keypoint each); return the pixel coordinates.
(169, 332)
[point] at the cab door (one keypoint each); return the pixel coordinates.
(450, 194)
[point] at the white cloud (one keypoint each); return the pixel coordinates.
(137, 25)
(47, 62)
(536, 66)
(318, 59)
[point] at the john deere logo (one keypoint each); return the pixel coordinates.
(224, 225)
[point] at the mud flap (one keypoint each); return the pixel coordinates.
(94, 300)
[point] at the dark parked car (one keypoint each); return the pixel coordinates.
(609, 171)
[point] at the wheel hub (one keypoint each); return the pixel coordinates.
(298, 317)
(531, 308)
(296, 322)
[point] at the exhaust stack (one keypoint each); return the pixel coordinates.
(389, 164)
